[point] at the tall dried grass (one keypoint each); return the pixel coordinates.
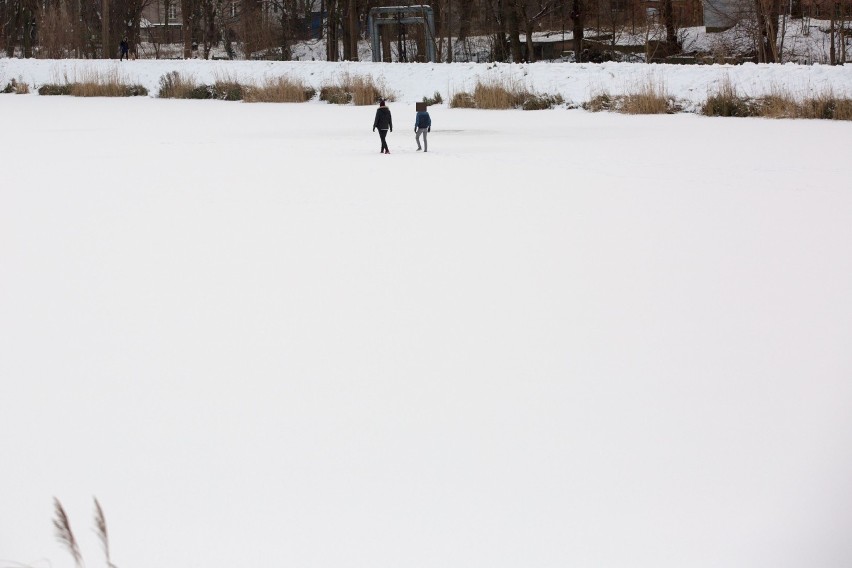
(649, 96)
(499, 94)
(502, 94)
(781, 102)
(462, 100)
(279, 90)
(94, 83)
(112, 83)
(827, 105)
(176, 85)
(726, 101)
(360, 90)
(601, 101)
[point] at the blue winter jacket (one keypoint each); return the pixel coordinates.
(423, 120)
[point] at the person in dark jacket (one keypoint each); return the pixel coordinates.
(384, 123)
(124, 49)
(422, 125)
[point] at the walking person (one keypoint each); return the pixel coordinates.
(384, 123)
(124, 49)
(422, 125)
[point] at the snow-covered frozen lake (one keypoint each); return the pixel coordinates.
(557, 339)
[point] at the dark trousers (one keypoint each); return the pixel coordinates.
(123, 55)
(382, 135)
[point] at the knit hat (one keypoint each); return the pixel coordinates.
(381, 102)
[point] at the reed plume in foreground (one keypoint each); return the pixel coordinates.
(101, 530)
(65, 534)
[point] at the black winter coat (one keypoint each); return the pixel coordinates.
(383, 119)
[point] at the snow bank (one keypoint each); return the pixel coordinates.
(412, 81)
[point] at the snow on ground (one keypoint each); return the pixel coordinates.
(558, 338)
(577, 83)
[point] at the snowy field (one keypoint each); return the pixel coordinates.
(557, 339)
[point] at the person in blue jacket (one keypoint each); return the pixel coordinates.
(422, 125)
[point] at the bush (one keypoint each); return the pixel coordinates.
(227, 90)
(542, 102)
(462, 100)
(436, 99)
(14, 86)
(174, 85)
(335, 95)
(17, 87)
(54, 89)
(600, 102)
(719, 105)
(199, 92)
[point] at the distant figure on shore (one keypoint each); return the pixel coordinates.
(124, 49)
(384, 123)
(422, 125)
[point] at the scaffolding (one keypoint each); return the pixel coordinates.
(402, 16)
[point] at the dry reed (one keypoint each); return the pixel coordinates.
(109, 84)
(648, 97)
(497, 94)
(64, 533)
(279, 90)
(779, 103)
(726, 101)
(175, 85)
(101, 531)
(462, 100)
(358, 89)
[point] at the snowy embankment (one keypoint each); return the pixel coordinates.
(557, 339)
(411, 82)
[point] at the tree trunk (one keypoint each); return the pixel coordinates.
(832, 32)
(106, 49)
(465, 10)
(514, 30)
(354, 31)
(187, 9)
(331, 33)
(528, 30)
(668, 21)
(577, 10)
(449, 25)
(500, 53)
(209, 26)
